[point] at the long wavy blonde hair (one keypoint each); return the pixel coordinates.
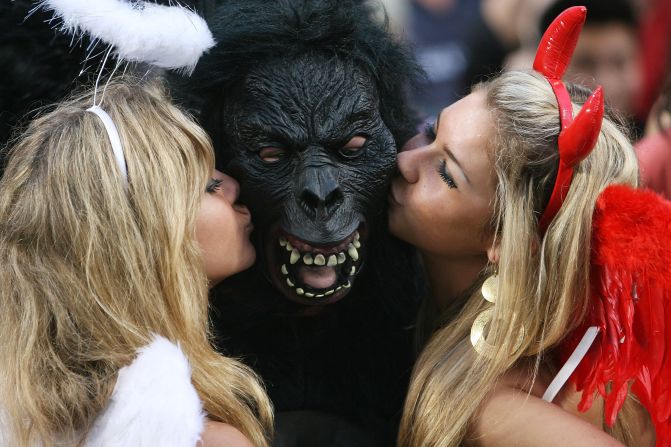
(89, 271)
(543, 282)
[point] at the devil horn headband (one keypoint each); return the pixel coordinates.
(577, 136)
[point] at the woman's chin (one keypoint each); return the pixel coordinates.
(245, 260)
(249, 257)
(394, 226)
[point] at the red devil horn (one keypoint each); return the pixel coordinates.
(558, 42)
(579, 138)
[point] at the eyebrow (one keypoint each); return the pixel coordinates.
(451, 156)
(447, 150)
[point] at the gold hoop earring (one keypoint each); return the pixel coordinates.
(489, 291)
(490, 288)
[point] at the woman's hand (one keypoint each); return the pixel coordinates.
(218, 434)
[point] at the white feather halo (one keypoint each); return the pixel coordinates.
(171, 37)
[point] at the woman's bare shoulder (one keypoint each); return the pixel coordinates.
(218, 434)
(514, 414)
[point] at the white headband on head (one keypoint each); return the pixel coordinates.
(115, 140)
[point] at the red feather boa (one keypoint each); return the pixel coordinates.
(631, 304)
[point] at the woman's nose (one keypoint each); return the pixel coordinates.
(409, 163)
(230, 187)
(418, 140)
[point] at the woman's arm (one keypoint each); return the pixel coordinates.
(511, 417)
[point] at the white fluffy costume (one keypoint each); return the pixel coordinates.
(153, 404)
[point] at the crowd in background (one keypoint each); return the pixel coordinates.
(624, 47)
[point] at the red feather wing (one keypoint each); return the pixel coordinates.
(631, 304)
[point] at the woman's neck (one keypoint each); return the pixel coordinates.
(449, 277)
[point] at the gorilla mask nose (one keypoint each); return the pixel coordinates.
(320, 194)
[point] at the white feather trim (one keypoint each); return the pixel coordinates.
(153, 404)
(166, 36)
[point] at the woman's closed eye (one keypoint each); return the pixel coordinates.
(213, 185)
(445, 175)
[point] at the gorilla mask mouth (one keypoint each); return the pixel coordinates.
(318, 274)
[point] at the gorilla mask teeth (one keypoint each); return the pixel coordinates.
(353, 252)
(295, 256)
(343, 263)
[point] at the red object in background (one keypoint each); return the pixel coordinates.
(654, 160)
(655, 44)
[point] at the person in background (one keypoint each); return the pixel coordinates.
(654, 150)
(654, 17)
(458, 43)
(607, 53)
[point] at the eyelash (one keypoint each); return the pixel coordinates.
(447, 178)
(213, 185)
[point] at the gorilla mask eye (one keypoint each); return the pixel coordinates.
(354, 147)
(271, 154)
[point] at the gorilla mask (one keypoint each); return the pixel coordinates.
(304, 101)
(313, 156)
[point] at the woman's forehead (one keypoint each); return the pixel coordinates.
(466, 128)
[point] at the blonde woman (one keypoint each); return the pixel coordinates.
(473, 196)
(104, 282)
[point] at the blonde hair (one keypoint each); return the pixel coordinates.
(89, 271)
(543, 282)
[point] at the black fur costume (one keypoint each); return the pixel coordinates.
(301, 79)
(39, 67)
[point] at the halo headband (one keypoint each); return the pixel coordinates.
(171, 37)
(577, 136)
(115, 140)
